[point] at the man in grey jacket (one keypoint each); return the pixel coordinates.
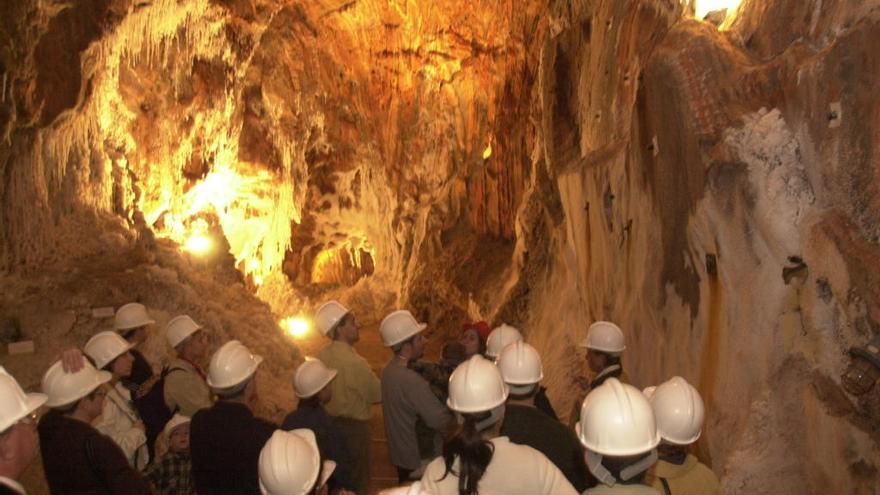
(406, 396)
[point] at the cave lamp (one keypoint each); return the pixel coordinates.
(864, 368)
(199, 244)
(296, 326)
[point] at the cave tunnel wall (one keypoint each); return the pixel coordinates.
(544, 164)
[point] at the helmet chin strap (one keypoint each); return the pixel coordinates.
(640, 467)
(594, 464)
(494, 417)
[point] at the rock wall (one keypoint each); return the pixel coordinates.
(544, 164)
(716, 187)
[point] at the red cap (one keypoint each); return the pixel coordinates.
(482, 328)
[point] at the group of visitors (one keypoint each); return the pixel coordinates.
(477, 422)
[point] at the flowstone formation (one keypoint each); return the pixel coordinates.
(709, 185)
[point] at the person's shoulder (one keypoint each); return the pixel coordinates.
(703, 470)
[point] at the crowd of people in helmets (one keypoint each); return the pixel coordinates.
(476, 422)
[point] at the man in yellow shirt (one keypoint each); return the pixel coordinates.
(679, 410)
(355, 389)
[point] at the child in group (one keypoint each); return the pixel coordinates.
(171, 474)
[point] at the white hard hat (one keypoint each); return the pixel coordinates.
(329, 315)
(104, 347)
(289, 463)
(606, 337)
(399, 326)
(414, 489)
(65, 388)
(179, 328)
(232, 364)
(679, 410)
(520, 366)
(132, 315)
(500, 338)
(175, 421)
(617, 420)
(14, 403)
(311, 376)
(476, 386)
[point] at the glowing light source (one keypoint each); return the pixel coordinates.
(487, 152)
(295, 326)
(199, 244)
(703, 7)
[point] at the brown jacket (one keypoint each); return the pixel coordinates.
(78, 459)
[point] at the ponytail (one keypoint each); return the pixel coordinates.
(472, 450)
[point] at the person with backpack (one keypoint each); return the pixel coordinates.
(180, 387)
(119, 419)
(77, 458)
(186, 391)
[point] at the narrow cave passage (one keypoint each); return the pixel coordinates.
(700, 172)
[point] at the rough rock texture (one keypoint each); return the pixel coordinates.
(540, 163)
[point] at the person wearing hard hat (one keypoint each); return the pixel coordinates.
(226, 439)
(502, 337)
(290, 464)
(617, 429)
(520, 366)
(406, 396)
(131, 321)
(119, 420)
(499, 338)
(604, 344)
(77, 458)
(477, 459)
(355, 389)
(185, 388)
(679, 411)
(18, 438)
(311, 383)
(171, 474)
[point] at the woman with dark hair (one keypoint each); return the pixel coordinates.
(473, 337)
(477, 459)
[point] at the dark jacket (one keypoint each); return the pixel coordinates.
(528, 426)
(79, 459)
(225, 443)
(331, 442)
(141, 371)
(542, 402)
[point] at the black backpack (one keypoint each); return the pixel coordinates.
(150, 404)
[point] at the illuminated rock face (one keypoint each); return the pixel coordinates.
(541, 164)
